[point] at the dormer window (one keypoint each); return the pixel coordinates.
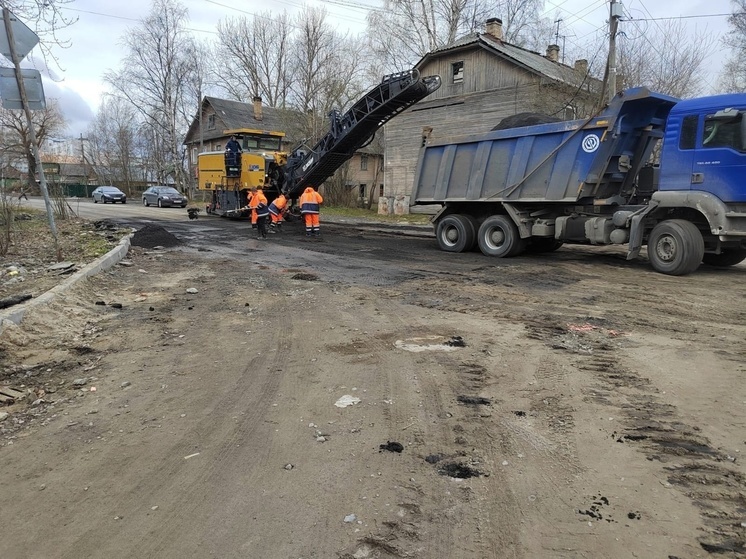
(457, 72)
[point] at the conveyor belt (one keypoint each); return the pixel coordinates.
(352, 130)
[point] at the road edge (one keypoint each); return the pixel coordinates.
(101, 264)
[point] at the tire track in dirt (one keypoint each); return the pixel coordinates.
(708, 476)
(250, 393)
(401, 535)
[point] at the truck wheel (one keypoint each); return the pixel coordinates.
(498, 236)
(725, 258)
(675, 247)
(456, 233)
(543, 244)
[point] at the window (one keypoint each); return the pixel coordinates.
(723, 131)
(380, 190)
(217, 147)
(569, 113)
(363, 162)
(457, 72)
(362, 191)
(211, 122)
(688, 137)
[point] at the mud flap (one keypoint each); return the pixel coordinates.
(636, 229)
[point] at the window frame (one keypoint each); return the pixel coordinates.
(457, 72)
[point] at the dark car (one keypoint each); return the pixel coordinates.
(163, 197)
(109, 194)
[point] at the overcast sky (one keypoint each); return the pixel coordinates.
(96, 37)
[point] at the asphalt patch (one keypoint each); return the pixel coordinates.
(152, 236)
(456, 341)
(458, 470)
(474, 400)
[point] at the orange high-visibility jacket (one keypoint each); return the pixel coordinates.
(278, 205)
(310, 201)
(257, 198)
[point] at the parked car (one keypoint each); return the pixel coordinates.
(108, 194)
(163, 197)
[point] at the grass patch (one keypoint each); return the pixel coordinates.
(361, 213)
(78, 239)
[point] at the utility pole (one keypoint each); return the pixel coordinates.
(615, 14)
(85, 167)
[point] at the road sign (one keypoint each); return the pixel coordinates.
(24, 38)
(11, 96)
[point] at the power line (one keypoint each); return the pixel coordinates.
(737, 14)
(112, 16)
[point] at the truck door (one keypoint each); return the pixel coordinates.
(679, 148)
(720, 160)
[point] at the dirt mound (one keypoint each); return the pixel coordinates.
(152, 236)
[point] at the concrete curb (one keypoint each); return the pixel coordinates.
(100, 264)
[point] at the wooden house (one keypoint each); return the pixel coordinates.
(484, 79)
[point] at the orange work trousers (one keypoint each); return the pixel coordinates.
(312, 224)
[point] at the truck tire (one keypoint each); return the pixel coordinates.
(725, 258)
(498, 236)
(456, 233)
(675, 247)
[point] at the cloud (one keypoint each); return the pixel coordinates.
(77, 112)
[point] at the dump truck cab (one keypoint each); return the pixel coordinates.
(705, 148)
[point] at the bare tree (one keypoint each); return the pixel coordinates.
(114, 144)
(404, 31)
(255, 57)
(47, 122)
(663, 61)
(733, 77)
(154, 78)
(328, 71)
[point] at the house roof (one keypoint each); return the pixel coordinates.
(234, 115)
(528, 59)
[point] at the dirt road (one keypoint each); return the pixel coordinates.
(367, 396)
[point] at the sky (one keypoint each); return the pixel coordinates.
(96, 37)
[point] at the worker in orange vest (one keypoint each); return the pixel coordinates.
(249, 196)
(277, 209)
(310, 201)
(259, 212)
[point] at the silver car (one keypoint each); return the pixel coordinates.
(163, 197)
(111, 194)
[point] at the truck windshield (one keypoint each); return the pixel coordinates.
(262, 143)
(722, 132)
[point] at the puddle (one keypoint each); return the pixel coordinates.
(431, 343)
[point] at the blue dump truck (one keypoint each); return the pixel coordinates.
(601, 181)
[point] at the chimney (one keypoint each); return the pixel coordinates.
(581, 66)
(553, 53)
(494, 27)
(258, 108)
